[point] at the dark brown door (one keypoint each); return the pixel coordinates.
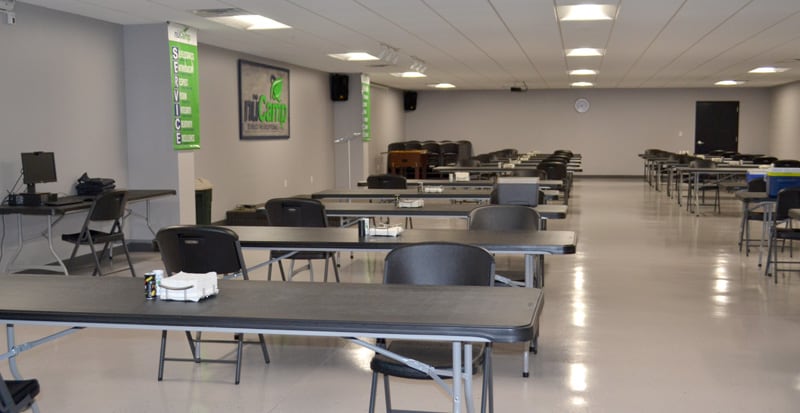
(716, 127)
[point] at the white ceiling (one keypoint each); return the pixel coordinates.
(496, 44)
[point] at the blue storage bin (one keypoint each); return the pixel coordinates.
(779, 178)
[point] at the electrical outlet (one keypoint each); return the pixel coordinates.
(285, 183)
(311, 179)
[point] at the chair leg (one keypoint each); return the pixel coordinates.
(283, 273)
(373, 391)
(335, 267)
(161, 355)
(239, 344)
(193, 346)
(128, 257)
(97, 270)
(264, 350)
(387, 393)
(487, 394)
(325, 277)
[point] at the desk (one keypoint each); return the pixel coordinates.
(556, 184)
(430, 210)
(721, 173)
(452, 194)
(527, 243)
(476, 194)
(416, 159)
(59, 211)
(460, 315)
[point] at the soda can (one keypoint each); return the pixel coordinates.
(150, 286)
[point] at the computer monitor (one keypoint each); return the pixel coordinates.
(38, 168)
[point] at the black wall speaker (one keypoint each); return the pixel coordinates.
(339, 86)
(409, 100)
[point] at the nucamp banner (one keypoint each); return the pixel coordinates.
(263, 101)
(185, 87)
(366, 116)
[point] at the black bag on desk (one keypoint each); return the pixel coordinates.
(93, 186)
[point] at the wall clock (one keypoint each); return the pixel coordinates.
(582, 105)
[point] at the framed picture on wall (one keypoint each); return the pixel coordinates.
(263, 101)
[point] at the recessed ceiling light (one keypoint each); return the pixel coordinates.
(729, 82)
(408, 74)
(768, 69)
(354, 56)
(581, 84)
(250, 22)
(443, 85)
(582, 72)
(586, 12)
(585, 51)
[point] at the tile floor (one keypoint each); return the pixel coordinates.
(657, 312)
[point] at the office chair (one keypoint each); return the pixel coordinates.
(299, 212)
(17, 395)
(108, 207)
(753, 213)
(788, 198)
(764, 160)
(434, 263)
(202, 249)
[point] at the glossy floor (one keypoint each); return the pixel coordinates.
(658, 312)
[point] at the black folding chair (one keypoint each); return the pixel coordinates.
(108, 207)
(434, 263)
(201, 249)
(17, 395)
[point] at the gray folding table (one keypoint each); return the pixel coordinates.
(457, 314)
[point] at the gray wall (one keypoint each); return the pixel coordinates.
(255, 170)
(61, 90)
(786, 122)
(619, 125)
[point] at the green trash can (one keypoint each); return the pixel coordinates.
(202, 201)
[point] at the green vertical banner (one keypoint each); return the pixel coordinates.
(366, 129)
(185, 87)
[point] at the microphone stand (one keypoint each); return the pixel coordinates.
(349, 166)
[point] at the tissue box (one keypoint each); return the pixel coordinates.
(410, 203)
(461, 176)
(185, 286)
(779, 178)
(392, 231)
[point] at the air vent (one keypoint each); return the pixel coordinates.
(230, 11)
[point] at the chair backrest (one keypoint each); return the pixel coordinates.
(409, 145)
(296, 212)
(468, 162)
(504, 218)
(200, 249)
(701, 163)
(757, 185)
(764, 160)
(439, 263)
(554, 170)
(788, 198)
(108, 206)
(786, 163)
(386, 181)
(397, 146)
(538, 173)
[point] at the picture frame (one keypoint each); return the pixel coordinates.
(263, 101)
